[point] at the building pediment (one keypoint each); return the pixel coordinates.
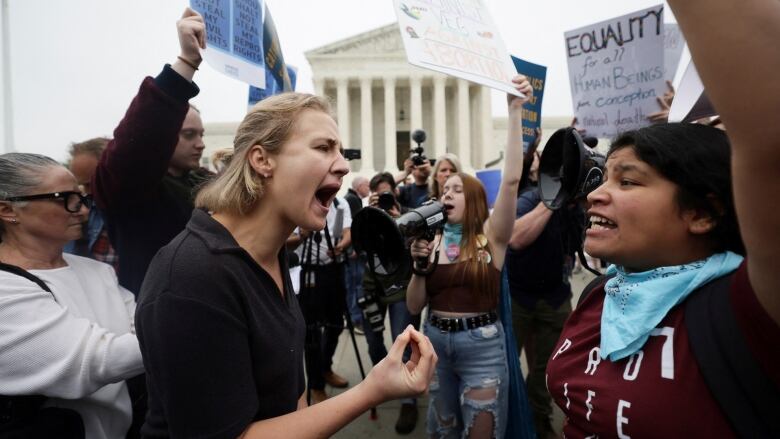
(383, 41)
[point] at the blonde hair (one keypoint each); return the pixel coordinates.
(436, 191)
(269, 123)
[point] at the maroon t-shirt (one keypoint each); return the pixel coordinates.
(658, 391)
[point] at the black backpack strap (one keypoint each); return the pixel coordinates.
(747, 396)
(597, 282)
(13, 269)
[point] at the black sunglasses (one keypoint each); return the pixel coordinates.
(72, 200)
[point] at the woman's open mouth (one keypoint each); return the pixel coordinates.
(598, 222)
(326, 194)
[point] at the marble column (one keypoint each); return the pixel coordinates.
(366, 127)
(464, 128)
(319, 86)
(439, 116)
(390, 140)
(486, 126)
(342, 103)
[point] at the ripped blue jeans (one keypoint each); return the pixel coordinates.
(471, 377)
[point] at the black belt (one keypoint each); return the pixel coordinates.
(462, 323)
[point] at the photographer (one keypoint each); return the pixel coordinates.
(388, 293)
(413, 194)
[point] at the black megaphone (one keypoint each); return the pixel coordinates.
(568, 169)
(376, 233)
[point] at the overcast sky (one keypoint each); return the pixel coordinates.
(76, 64)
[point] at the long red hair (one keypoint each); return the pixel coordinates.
(475, 213)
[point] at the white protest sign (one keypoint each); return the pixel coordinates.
(458, 38)
(616, 71)
(673, 49)
(234, 32)
(688, 93)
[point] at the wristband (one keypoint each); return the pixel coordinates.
(416, 271)
(188, 62)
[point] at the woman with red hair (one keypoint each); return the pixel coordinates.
(469, 393)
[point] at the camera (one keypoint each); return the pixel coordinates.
(386, 201)
(418, 156)
(371, 313)
(351, 154)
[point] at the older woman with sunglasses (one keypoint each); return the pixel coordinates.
(66, 326)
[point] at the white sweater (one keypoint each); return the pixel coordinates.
(78, 350)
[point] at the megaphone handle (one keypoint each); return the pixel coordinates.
(425, 269)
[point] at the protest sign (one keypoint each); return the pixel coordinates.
(278, 76)
(491, 180)
(673, 49)
(233, 44)
(690, 102)
(532, 110)
(458, 38)
(272, 87)
(616, 71)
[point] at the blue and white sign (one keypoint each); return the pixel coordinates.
(616, 71)
(532, 110)
(234, 38)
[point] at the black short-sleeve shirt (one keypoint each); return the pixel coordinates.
(222, 347)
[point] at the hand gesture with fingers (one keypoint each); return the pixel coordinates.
(391, 378)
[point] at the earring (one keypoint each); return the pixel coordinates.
(14, 221)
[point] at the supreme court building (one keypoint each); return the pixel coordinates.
(380, 99)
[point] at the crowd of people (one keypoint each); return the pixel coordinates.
(144, 296)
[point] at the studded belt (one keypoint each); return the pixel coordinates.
(462, 323)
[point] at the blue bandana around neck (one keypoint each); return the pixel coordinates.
(453, 233)
(636, 302)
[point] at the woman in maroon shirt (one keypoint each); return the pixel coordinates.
(665, 217)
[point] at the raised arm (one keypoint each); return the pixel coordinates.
(136, 160)
(499, 225)
(529, 226)
(739, 64)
